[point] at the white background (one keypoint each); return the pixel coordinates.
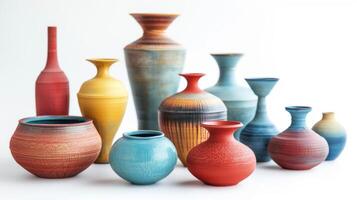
(310, 45)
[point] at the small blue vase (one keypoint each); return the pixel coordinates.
(143, 157)
(260, 130)
(240, 101)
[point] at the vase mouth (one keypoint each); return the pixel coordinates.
(227, 54)
(328, 113)
(155, 14)
(55, 121)
(143, 134)
(110, 60)
(298, 108)
(262, 79)
(192, 74)
(222, 124)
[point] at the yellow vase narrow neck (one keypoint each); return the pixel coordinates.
(103, 65)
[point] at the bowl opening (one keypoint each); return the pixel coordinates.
(54, 120)
(144, 134)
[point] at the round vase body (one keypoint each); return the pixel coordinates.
(143, 157)
(180, 115)
(298, 148)
(103, 99)
(221, 160)
(52, 88)
(153, 62)
(333, 132)
(240, 101)
(257, 133)
(55, 146)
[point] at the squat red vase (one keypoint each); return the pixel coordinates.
(52, 89)
(221, 160)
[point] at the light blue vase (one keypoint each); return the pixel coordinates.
(143, 157)
(240, 101)
(260, 130)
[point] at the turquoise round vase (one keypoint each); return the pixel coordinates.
(334, 133)
(143, 157)
(260, 130)
(240, 101)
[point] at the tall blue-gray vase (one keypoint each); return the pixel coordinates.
(260, 130)
(240, 101)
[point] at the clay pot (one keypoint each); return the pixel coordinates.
(333, 132)
(103, 99)
(180, 115)
(221, 160)
(52, 89)
(143, 157)
(153, 62)
(55, 146)
(298, 148)
(240, 101)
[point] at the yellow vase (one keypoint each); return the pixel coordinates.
(103, 99)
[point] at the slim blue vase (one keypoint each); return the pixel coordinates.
(260, 130)
(143, 157)
(240, 101)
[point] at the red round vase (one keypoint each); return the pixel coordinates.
(221, 160)
(52, 88)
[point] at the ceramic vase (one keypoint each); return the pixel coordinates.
(333, 132)
(55, 146)
(257, 133)
(143, 157)
(180, 115)
(298, 148)
(153, 62)
(103, 99)
(52, 89)
(221, 160)
(240, 101)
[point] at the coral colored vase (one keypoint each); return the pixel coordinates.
(298, 148)
(333, 132)
(55, 146)
(52, 89)
(103, 99)
(257, 133)
(221, 160)
(240, 101)
(180, 115)
(153, 62)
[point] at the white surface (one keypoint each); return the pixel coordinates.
(310, 45)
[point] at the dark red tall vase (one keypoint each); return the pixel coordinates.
(52, 89)
(221, 160)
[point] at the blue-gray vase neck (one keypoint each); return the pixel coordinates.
(298, 117)
(227, 64)
(261, 112)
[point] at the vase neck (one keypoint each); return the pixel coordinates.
(261, 111)
(52, 60)
(298, 117)
(227, 67)
(192, 82)
(221, 131)
(102, 66)
(227, 76)
(328, 115)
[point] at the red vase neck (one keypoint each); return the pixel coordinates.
(192, 82)
(221, 131)
(52, 60)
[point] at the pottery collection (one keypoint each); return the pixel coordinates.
(181, 115)
(52, 88)
(153, 62)
(103, 99)
(333, 132)
(221, 160)
(298, 147)
(55, 146)
(257, 133)
(143, 157)
(240, 101)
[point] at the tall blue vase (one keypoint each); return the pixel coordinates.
(260, 130)
(239, 100)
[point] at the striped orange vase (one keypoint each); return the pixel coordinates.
(180, 115)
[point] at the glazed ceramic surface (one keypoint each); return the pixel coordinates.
(103, 99)
(240, 101)
(153, 62)
(221, 160)
(52, 89)
(180, 115)
(143, 157)
(55, 146)
(333, 132)
(298, 148)
(257, 134)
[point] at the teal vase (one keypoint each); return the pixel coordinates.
(260, 130)
(239, 100)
